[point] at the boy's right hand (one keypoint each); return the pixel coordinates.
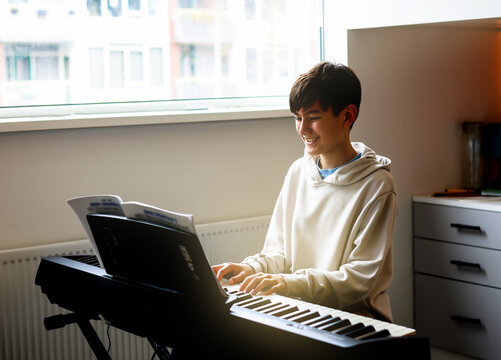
(237, 271)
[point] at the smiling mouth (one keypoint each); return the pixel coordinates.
(310, 140)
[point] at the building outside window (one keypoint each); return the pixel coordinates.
(94, 51)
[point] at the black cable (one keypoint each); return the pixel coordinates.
(109, 339)
(154, 353)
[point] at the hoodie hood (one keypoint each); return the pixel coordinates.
(352, 172)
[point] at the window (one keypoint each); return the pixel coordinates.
(141, 50)
(251, 65)
(187, 60)
(117, 79)
(156, 67)
(96, 68)
(136, 66)
(134, 5)
(94, 7)
(115, 7)
(250, 9)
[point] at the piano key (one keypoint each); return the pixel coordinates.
(258, 304)
(243, 298)
(284, 311)
(268, 307)
(350, 328)
(306, 317)
(337, 325)
(327, 322)
(282, 306)
(398, 331)
(369, 322)
(250, 301)
(320, 319)
(376, 335)
(296, 313)
(362, 331)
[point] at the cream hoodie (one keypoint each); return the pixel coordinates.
(331, 239)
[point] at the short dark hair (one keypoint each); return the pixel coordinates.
(333, 85)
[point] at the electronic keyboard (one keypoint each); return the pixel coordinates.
(236, 326)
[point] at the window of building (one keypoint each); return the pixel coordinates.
(115, 7)
(94, 7)
(117, 75)
(96, 68)
(251, 65)
(156, 67)
(136, 66)
(134, 5)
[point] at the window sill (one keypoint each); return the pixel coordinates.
(147, 113)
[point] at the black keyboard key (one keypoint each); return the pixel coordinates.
(275, 309)
(337, 325)
(320, 319)
(242, 298)
(284, 311)
(268, 307)
(258, 304)
(252, 300)
(306, 317)
(376, 335)
(324, 323)
(350, 328)
(362, 331)
(294, 314)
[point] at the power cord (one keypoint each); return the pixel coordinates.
(109, 338)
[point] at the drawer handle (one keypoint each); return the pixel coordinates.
(466, 264)
(466, 320)
(467, 227)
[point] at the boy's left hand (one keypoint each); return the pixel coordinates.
(264, 284)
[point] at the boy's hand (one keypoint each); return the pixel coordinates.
(265, 284)
(237, 272)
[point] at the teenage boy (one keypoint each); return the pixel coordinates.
(329, 240)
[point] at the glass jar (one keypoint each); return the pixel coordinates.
(471, 155)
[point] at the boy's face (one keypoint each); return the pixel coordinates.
(323, 133)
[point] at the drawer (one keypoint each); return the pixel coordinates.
(461, 262)
(463, 226)
(458, 316)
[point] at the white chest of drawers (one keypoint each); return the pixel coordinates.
(457, 273)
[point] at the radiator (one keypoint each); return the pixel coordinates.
(23, 306)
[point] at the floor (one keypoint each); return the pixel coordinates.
(439, 354)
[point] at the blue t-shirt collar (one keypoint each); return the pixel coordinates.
(326, 172)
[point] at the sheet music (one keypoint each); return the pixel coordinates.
(113, 205)
(140, 211)
(95, 204)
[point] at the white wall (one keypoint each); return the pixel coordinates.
(419, 83)
(215, 170)
(362, 14)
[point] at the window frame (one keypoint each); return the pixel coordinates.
(54, 117)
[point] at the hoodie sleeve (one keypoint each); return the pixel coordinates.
(356, 279)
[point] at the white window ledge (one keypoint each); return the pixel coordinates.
(140, 113)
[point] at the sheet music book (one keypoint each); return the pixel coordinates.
(113, 205)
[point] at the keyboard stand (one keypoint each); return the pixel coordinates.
(83, 322)
(95, 343)
(160, 350)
